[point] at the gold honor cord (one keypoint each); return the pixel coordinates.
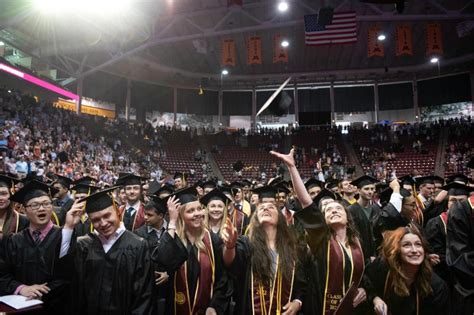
(278, 283)
(55, 217)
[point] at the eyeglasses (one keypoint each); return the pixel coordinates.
(35, 206)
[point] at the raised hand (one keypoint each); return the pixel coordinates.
(288, 159)
(229, 234)
(74, 215)
(173, 209)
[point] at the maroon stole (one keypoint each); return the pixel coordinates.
(237, 219)
(270, 299)
(335, 284)
(11, 224)
(139, 218)
(444, 219)
(204, 287)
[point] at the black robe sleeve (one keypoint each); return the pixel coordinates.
(433, 210)
(314, 224)
(388, 220)
(436, 236)
(170, 253)
(222, 291)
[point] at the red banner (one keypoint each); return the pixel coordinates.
(434, 39)
(374, 46)
(228, 54)
(254, 50)
(404, 41)
(280, 53)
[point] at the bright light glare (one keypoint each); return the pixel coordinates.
(2, 43)
(434, 60)
(99, 6)
(285, 43)
(381, 37)
(225, 72)
(283, 6)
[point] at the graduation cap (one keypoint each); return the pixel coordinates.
(438, 179)
(470, 164)
(33, 189)
(275, 181)
(332, 184)
(380, 186)
(458, 178)
(423, 180)
(238, 166)
(84, 189)
(457, 189)
(165, 189)
(325, 194)
(63, 181)
(185, 195)
(385, 196)
(266, 191)
(157, 204)
(280, 105)
(99, 200)
(209, 184)
(281, 187)
(215, 194)
(313, 182)
(86, 180)
(7, 181)
(129, 179)
(226, 189)
(407, 180)
(153, 187)
(181, 175)
(246, 182)
(236, 185)
(364, 181)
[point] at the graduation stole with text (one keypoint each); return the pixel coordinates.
(335, 285)
(270, 299)
(238, 220)
(205, 283)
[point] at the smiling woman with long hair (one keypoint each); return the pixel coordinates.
(216, 210)
(192, 256)
(402, 280)
(266, 264)
(335, 251)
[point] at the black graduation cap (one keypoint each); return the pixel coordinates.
(266, 191)
(164, 189)
(281, 187)
(84, 189)
(63, 181)
(313, 182)
(385, 196)
(157, 204)
(33, 189)
(99, 200)
(153, 187)
(423, 180)
(438, 179)
(380, 186)
(325, 193)
(460, 178)
(470, 164)
(181, 175)
(229, 190)
(332, 184)
(186, 195)
(457, 189)
(238, 166)
(7, 181)
(130, 179)
(246, 182)
(215, 194)
(209, 184)
(407, 180)
(275, 181)
(363, 181)
(86, 180)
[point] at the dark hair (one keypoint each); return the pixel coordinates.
(260, 253)
(351, 231)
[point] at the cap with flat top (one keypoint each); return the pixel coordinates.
(215, 194)
(407, 180)
(100, 200)
(63, 181)
(185, 195)
(457, 189)
(364, 181)
(84, 189)
(33, 189)
(86, 180)
(7, 181)
(326, 194)
(458, 178)
(423, 180)
(313, 182)
(130, 179)
(266, 191)
(157, 204)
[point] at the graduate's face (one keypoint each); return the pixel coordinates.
(367, 192)
(4, 197)
(238, 195)
(314, 191)
(409, 207)
(132, 192)
(152, 218)
(200, 191)
(281, 198)
(178, 183)
(347, 188)
(105, 222)
(325, 202)
(62, 191)
(254, 199)
(453, 199)
(267, 213)
(335, 214)
(427, 190)
(408, 187)
(216, 209)
(411, 250)
(193, 215)
(38, 211)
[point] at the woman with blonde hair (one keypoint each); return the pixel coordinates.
(216, 210)
(402, 280)
(192, 256)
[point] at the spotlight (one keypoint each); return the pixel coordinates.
(285, 43)
(434, 60)
(2, 43)
(225, 72)
(381, 37)
(283, 6)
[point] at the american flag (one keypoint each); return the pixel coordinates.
(342, 30)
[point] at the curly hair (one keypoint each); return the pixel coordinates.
(260, 253)
(390, 252)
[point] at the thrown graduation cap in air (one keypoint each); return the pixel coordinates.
(130, 179)
(457, 189)
(364, 181)
(458, 178)
(100, 200)
(63, 181)
(33, 189)
(215, 194)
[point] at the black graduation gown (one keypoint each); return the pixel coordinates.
(14, 223)
(25, 263)
(241, 274)
(433, 210)
(460, 256)
(388, 220)
(171, 253)
(83, 228)
(434, 304)
(317, 231)
(435, 233)
(117, 282)
(62, 210)
(363, 225)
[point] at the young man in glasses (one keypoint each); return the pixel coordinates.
(31, 264)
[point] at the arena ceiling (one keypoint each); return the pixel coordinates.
(177, 42)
